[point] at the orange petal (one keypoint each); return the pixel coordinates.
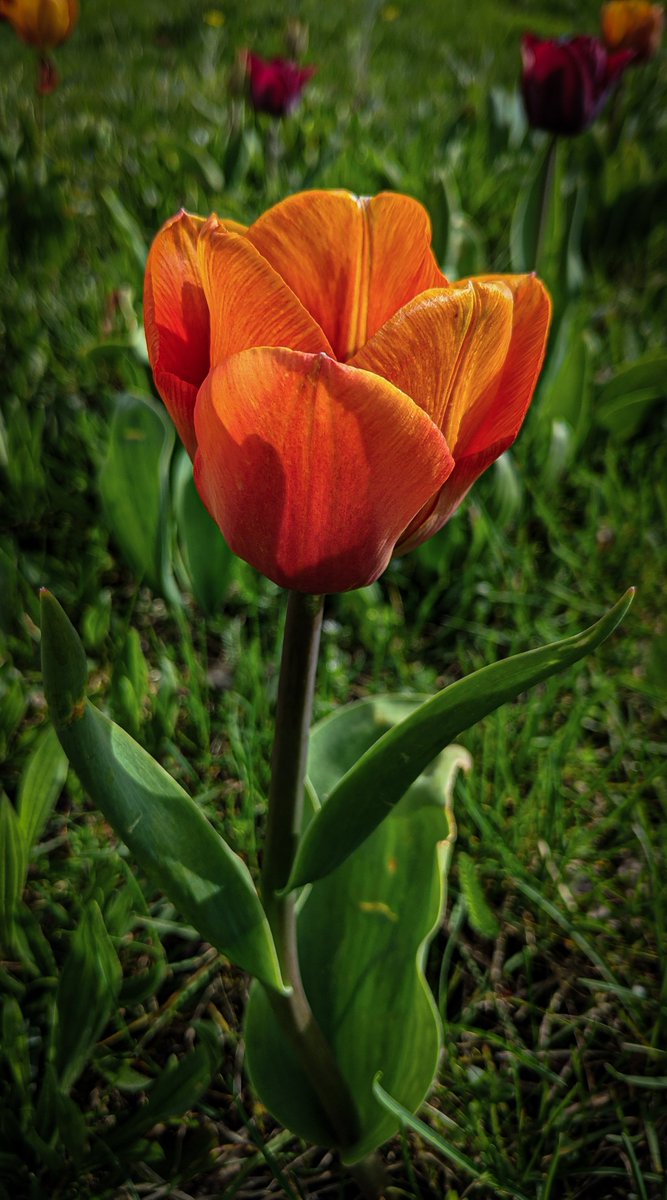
(177, 321)
(445, 350)
(353, 262)
(492, 422)
(434, 515)
(313, 469)
(499, 413)
(250, 304)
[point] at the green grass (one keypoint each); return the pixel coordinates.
(553, 1079)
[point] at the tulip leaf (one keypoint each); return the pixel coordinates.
(536, 230)
(40, 785)
(133, 484)
(13, 869)
(369, 789)
(207, 557)
(167, 833)
(407, 1120)
(625, 401)
(362, 937)
(87, 994)
(565, 391)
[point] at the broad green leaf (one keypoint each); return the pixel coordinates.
(167, 833)
(13, 869)
(87, 994)
(133, 485)
(371, 787)
(40, 786)
(536, 229)
(409, 1121)
(362, 934)
(207, 557)
(625, 401)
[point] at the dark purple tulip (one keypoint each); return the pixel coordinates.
(565, 82)
(276, 86)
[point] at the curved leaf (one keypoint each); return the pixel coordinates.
(406, 1119)
(362, 934)
(367, 792)
(133, 483)
(167, 833)
(207, 556)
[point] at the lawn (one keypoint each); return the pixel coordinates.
(122, 1048)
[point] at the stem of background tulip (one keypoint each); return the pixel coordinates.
(40, 121)
(274, 150)
(546, 201)
(285, 811)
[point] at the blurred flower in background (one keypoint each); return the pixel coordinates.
(633, 25)
(565, 82)
(275, 86)
(41, 23)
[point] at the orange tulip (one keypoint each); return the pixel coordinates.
(41, 23)
(338, 396)
(633, 25)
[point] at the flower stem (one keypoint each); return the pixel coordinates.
(285, 812)
(296, 688)
(547, 200)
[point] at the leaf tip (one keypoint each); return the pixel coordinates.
(64, 665)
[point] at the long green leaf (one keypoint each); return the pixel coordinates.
(167, 833)
(40, 786)
(370, 789)
(13, 869)
(429, 1135)
(87, 993)
(208, 558)
(133, 484)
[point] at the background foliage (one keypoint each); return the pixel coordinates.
(551, 969)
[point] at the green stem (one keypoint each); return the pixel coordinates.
(370, 1176)
(296, 688)
(547, 199)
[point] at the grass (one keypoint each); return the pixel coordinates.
(550, 970)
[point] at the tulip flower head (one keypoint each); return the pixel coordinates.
(276, 86)
(565, 82)
(41, 23)
(633, 25)
(338, 396)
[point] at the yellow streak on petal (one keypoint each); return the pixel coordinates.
(357, 332)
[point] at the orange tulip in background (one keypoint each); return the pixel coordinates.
(338, 396)
(633, 25)
(41, 23)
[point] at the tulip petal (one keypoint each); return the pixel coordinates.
(446, 349)
(491, 424)
(249, 302)
(353, 262)
(177, 321)
(313, 469)
(499, 414)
